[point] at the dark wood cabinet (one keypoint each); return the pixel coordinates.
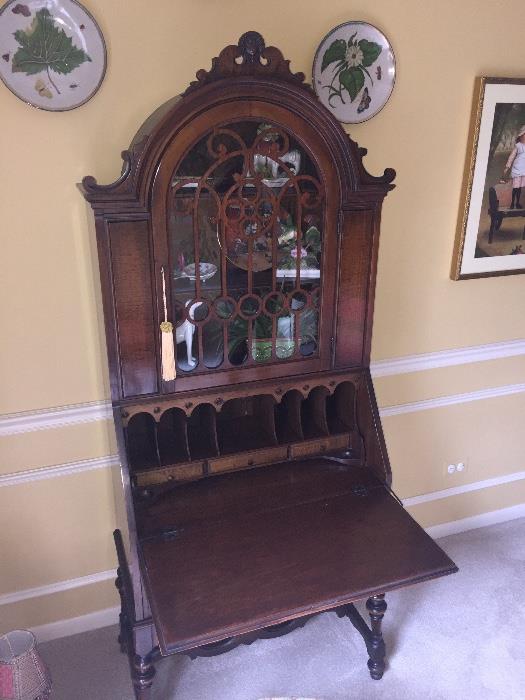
(244, 229)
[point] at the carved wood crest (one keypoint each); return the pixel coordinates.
(249, 57)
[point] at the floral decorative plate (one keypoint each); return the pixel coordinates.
(354, 71)
(52, 53)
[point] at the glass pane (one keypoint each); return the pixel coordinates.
(308, 321)
(245, 218)
(213, 343)
(238, 341)
(262, 338)
(285, 342)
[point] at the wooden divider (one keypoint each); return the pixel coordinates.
(241, 425)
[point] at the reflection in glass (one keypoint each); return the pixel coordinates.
(250, 305)
(274, 302)
(299, 300)
(309, 332)
(237, 341)
(213, 343)
(285, 342)
(224, 307)
(262, 344)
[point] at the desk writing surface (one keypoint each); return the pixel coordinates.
(263, 562)
(275, 486)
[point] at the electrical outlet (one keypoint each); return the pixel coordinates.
(453, 468)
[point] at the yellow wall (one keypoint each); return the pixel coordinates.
(51, 350)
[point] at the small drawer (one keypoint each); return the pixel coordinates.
(248, 459)
(319, 446)
(177, 472)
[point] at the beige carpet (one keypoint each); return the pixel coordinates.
(460, 637)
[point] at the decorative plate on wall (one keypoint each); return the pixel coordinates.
(52, 53)
(354, 71)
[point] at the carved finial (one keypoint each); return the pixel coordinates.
(251, 57)
(251, 47)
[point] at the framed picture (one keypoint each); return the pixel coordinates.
(491, 230)
(354, 71)
(53, 54)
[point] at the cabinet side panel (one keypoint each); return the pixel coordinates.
(371, 430)
(125, 516)
(353, 291)
(132, 289)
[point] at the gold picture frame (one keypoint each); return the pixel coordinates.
(490, 238)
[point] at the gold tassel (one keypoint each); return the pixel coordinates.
(168, 350)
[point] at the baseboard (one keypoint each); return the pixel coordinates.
(76, 625)
(493, 517)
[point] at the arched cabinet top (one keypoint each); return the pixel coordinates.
(246, 71)
(244, 228)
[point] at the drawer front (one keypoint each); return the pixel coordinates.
(319, 446)
(177, 472)
(248, 459)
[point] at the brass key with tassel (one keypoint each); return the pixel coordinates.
(169, 371)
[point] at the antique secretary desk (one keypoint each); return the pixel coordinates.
(238, 259)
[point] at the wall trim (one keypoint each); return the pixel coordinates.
(452, 400)
(84, 465)
(76, 625)
(109, 616)
(465, 488)
(447, 358)
(58, 587)
(63, 416)
(14, 424)
(474, 522)
(58, 417)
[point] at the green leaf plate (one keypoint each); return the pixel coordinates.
(53, 54)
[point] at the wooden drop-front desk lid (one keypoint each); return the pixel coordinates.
(238, 552)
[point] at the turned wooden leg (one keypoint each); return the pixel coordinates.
(123, 636)
(142, 674)
(376, 606)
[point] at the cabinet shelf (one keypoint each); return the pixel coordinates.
(243, 433)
